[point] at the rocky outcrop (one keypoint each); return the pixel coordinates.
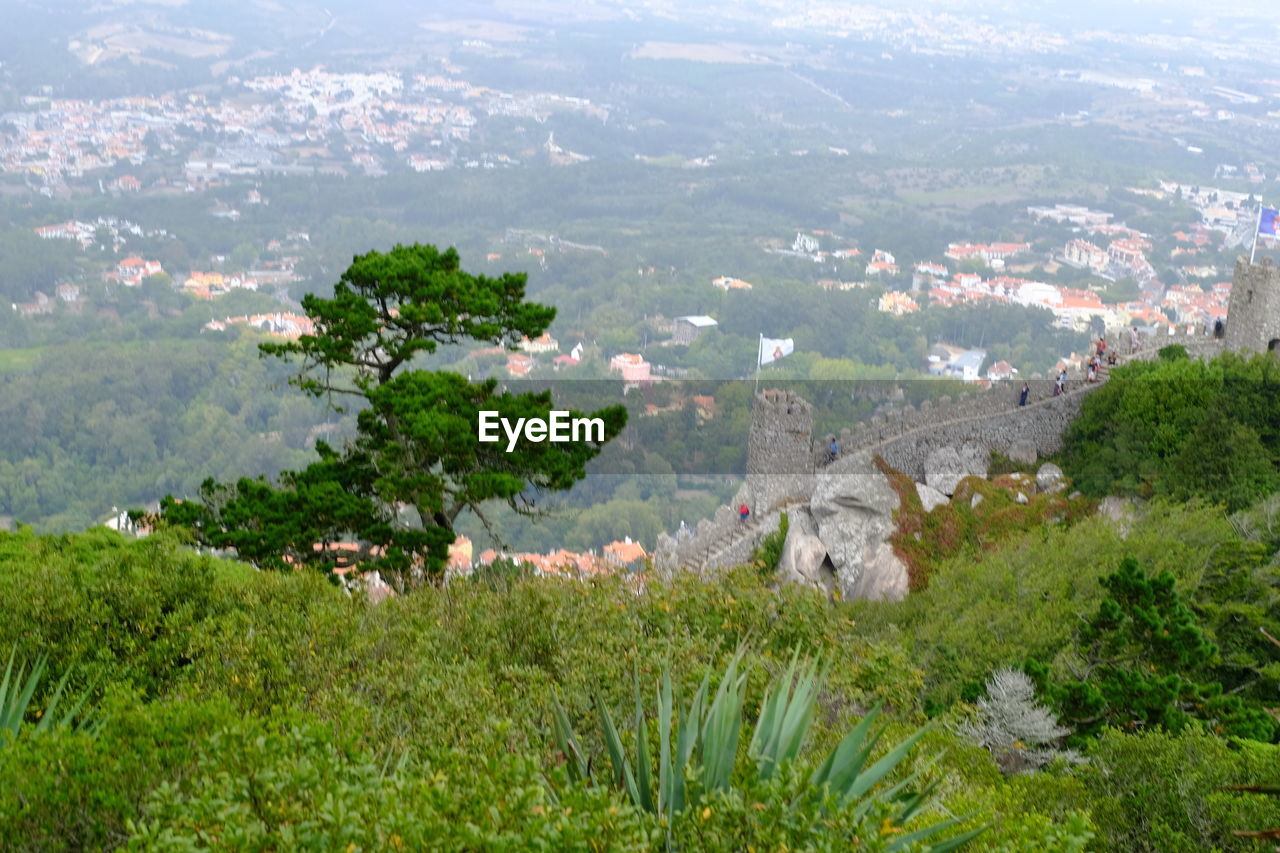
(1121, 512)
(945, 467)
(976, 459)
(930, 497)
(853, 505)
(1050, 479)
(804, 555)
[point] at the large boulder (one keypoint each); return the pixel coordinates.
(1121, 512)
(976, 460)
(930, 497)
(852, 505)
(1050, 479)
(945, 467)
(883, 576)
(943, 470)
(804, 556)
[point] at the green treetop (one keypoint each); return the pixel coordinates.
(416, 463)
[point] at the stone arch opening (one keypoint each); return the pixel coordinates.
(1274, 345)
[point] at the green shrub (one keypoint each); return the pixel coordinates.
(121, 612)
(1163, 793)
(459, 678)
(299, 787)
(68, 790)
(768, 553)
(1149, 663)
(1183, 428)
(1026, 597)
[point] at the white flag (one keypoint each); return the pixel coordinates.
(772, 349)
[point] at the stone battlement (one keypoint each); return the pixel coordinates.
(1253, 314)
(784, 458)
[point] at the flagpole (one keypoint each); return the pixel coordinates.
(759, 355)
(1256, 228)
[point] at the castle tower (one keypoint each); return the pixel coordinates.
(1253, 314)
(780, 463)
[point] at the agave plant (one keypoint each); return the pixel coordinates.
(17, 689)
(706, 747)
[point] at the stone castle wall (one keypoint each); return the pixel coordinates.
(784, 459)
(992, 420)
(1253, 314)
(780, 462)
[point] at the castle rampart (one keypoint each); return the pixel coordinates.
(1253, 313)
(785, 460)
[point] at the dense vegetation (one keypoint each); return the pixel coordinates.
(92, 425)
(242, 708)
(1182, 428)
(1047, 599)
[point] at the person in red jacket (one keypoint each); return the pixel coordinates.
(743, 513)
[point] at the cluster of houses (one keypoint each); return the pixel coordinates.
(1073, 307)
(1125, 256)
(42, 303)
(63, 139)
(87, 233)
(624, 555)
(728, 283)
(132, 271)
(960, 363)
(207, 285)
(524, 360)
(992, 254)
(632, 368)
(809, 246)
(283, 325)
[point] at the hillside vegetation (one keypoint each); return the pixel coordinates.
(249, 710)
(1063, 681)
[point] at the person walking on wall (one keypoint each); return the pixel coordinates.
(833, 450)
(743, 513)
(1022, 398)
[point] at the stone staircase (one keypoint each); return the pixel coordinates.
(753, 529)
